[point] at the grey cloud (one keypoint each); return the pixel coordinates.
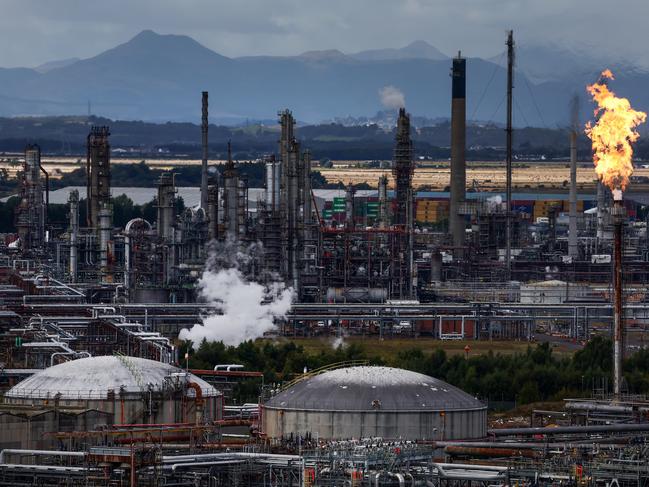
(36, 31)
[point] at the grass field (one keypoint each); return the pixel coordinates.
(388, 348)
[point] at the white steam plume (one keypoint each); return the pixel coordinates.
(392, 97)
(248, 309)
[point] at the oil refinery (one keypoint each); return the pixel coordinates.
(99, 323)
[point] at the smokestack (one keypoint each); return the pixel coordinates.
(573, 244)
(618, 316)
(458, 146)
(204, 126)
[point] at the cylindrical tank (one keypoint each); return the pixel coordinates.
(357, 295)
(361, 402)
(121, 389)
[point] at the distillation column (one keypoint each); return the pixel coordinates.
(402, 170)
(165, 224)
(231, 198)
(383, 202)
(98, 170)
(31, 213)
(73, 200)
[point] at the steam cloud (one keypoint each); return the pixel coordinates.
(392, 97)
(248, 309)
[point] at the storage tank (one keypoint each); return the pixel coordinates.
(369, 401)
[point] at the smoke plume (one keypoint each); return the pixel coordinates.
(246, 309)
(392, 98)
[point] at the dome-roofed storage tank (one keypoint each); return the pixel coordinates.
(116, 389)
(369, 401)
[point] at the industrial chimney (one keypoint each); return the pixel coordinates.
(618, 214)
(204, 177)
(458, 146)
(573, 244)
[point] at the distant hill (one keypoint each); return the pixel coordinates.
(414, 50)
(157, 77)
(61, 63)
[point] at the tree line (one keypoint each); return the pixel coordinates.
(537, 374)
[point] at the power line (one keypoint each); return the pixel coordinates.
(534, 101)
(493, 74)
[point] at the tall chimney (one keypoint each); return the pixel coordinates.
(618, 311)
(204, 125)
(458, 146)
(573, 244)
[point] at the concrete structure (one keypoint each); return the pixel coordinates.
(364, 401)
(458, 148)
(105, 390)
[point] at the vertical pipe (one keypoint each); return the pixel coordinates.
(510, 86)
(601, 210)
(204, 127)
(306, 188)
(458, 148)
(618, 317)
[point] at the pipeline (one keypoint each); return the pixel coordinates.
(490, 452)
(53, 453)
(609, 428)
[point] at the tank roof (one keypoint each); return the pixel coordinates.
(94, 377)
(373, 388)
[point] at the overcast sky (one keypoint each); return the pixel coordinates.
(36, 31)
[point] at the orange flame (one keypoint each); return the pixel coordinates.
(613, 134)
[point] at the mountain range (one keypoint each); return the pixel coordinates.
(159, 78)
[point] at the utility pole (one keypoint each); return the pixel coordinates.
(508, 198)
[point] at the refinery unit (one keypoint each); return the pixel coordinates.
(94, 392)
